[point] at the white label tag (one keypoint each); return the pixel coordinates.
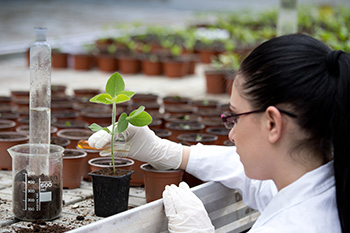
(45, 196)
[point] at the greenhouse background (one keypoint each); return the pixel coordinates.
(210, 36)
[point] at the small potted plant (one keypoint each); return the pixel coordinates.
(151, 64)
(59, 58)
(107, 60)
(222, 66)
(129, 62)
(111, 185)
(176, 65)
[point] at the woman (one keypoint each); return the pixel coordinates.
(290, 107)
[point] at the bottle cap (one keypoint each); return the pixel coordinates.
(40, 33)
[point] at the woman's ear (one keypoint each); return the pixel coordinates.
(273, 124)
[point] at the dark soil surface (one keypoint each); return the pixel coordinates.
(109, 172)
(42, 227)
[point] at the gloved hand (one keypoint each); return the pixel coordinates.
(146, 146)
(185, 211)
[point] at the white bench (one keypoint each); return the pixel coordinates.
(225, 207)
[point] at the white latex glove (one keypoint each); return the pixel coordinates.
(185, 211)
(146, 146)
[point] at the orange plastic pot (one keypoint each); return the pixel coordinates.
(73, 164)
(156, 180)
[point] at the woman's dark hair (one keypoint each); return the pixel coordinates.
(314, 82)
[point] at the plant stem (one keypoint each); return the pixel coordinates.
(112, 135)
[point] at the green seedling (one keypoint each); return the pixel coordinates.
(116, 94)
(198, 138)
(186, 117)
(185, 127)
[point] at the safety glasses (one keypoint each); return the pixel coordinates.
(230, 119)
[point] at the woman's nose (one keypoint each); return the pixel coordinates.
(231, 134)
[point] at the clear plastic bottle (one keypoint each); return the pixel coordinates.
(40, 88)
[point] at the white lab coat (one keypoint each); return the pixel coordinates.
(307, 205)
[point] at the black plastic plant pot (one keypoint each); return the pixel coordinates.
(111, 192)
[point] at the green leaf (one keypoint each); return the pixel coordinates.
(122, 123)
(103, 98)
(106, 129)
(115, 85)
(141, 119)
(128, 93)
(120, 98)
(95, 127)
(136, 112)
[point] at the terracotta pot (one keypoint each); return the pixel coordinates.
(215, 81)
(111, 192)
(194, 138)
(21, 101)
(60, 141)
(74, 135)
(209, 112)
(74, 124)
(230, 77)
(65, 105)
(5, 99)
(137, 178)
(211, 122)
(155, 124)
(12, 116)
(19, 93)
(24, 120)
(81, 106)
(221, 132)
(151, 68)
(24, 129)
(91, 153)
(193, 60)
(175, 68)
(65, 115)
(150, 106)
(7, 140)
(162, 133)
(82, 61)
(101, 118)
(102, 44)
(182, 118)
(58, 90)
(158, 115)
(5, 107)
(59, 60)
(180, 128)
(72, 168)
(86, 92)
(205, 104)
(7, 125)
(156, 180)
(169, 100)
(129, 65)
(146, 97)
(107, 63)
(23, 111)
(206, 55)
(179, 109)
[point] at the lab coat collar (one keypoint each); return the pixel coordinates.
(307, 186)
